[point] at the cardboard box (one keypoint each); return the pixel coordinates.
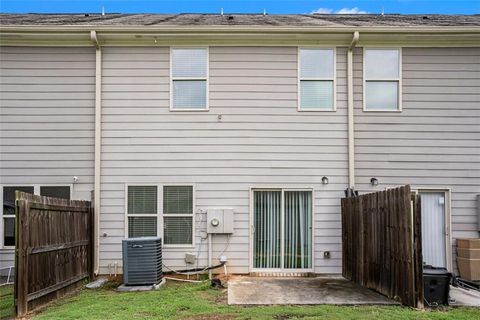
(469, 268)
(468, 253)
(468, 243)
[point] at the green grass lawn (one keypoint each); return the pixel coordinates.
(199, 301)
(6, 302)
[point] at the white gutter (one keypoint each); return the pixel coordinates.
(98, 149)
(351, 127)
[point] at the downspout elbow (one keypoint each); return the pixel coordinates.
(94, 39)
(356, 37)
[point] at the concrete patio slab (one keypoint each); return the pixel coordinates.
(319, 290)
(463, 297)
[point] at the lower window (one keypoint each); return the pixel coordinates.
(177, 213)
(8, 207)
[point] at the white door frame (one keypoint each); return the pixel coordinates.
(448, 221)
(251, 228)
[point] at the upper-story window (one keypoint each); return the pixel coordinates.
(189, 79)
(382, 80)
(316, 79)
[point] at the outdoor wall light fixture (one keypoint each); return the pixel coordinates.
(374, 181)
(324, 180)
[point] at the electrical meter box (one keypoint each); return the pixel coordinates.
(220, 221)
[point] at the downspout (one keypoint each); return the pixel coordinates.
(98, 141)
(351, 127)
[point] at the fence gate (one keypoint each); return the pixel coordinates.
(382, 244)
(54, 248)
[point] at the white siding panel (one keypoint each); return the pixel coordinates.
(434, 142)
(260, 140)
(46, 119)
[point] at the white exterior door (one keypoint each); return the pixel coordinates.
(434, 235)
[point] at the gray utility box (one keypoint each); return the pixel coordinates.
(142, 261)
(220, 220)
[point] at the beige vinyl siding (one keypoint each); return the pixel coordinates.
(435, 141)
(46, 119)
(261, 140)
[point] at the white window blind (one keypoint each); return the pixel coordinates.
(142, 211)
(189, 78)
(382, 79)
(178, 213)
(298, 229)
(267, 224)
(316, 79)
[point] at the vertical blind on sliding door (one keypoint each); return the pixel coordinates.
(267, 223)
(298, 230)
(292, 248)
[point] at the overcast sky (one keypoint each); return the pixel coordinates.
(241, 6)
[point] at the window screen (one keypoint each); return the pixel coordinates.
(142, 211)
(189, 79)
(8, 212)
(317, 79)
(55, 191)
(177, 230)
(142, 227)
(382, 79)
(142, 200)
(178, 215)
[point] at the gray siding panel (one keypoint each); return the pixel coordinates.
(47, 136)
(261, 140)
(435, 141)
(46, 119)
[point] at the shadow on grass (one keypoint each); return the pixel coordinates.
(7, 306)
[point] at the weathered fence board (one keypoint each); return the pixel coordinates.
(381, 243)
(54, 248)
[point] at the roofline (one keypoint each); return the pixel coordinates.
(241, 28)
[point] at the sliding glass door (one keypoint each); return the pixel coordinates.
(282, 229)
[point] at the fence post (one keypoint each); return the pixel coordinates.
(418, 261)
(22, 244)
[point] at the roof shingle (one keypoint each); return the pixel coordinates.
(299, 20)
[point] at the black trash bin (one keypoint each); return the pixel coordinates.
(436, 285)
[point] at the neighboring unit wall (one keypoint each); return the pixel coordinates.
(47, 119)
(435, 141)
(260, 140)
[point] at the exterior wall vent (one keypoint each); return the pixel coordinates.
(142, 261)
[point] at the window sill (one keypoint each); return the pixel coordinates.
(383, 110)
(313, 110)
(189, 110)
(179, 246)
(7, 248)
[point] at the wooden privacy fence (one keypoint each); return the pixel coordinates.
(54, 248)
(382, 244)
